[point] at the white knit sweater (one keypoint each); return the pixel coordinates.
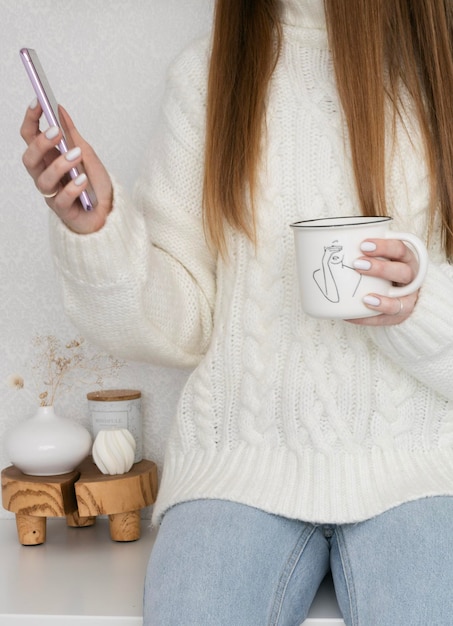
(318, 420)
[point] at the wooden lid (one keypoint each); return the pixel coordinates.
(114, 395)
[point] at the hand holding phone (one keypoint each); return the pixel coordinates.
(49, 106)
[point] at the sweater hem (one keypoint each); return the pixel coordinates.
(334, 488)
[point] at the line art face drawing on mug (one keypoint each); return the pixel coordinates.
(334, 277)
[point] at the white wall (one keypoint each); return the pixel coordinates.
(106, 60)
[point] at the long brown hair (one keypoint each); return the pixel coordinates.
(393, 43)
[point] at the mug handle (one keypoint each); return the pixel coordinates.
(422, 254)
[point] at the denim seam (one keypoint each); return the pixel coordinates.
(347, 570)
(287, 573)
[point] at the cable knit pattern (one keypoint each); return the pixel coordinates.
(313, 419)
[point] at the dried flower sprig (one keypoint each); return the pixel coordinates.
(15, 381)
(58, 366)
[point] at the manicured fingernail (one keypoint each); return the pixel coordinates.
(361, 264)
(34, 103)
(80, 180)
(73, 154)
(372, 300)
(368, 246)
(52, 132)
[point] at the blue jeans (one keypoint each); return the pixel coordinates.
(219, 563)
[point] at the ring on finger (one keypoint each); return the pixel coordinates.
(400, 310)
(48, 195)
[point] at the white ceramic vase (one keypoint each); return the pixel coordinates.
(47, 445)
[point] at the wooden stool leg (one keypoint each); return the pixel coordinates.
(75, 521)
(31, 530)
(125, 526)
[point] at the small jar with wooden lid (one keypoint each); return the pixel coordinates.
(117, 408)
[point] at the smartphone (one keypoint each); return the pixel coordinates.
(50, 109)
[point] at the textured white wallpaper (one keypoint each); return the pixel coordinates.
(106, 61)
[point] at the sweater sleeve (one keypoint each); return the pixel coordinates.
(143, 287)
(423, 344)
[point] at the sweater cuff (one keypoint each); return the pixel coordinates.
(105, 257)
(427, 331)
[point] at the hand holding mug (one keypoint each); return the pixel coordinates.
(392, 260)
(355, 267)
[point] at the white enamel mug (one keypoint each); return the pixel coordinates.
(325, 252)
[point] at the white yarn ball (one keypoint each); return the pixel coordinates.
(114, 451)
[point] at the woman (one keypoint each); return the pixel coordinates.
(300, 444)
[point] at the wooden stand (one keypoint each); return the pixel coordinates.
(79, 496)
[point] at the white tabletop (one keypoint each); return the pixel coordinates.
(80, 577)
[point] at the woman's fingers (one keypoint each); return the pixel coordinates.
(54, 174)
(391, 260)
(388, 258)
(30, 125)
(93, 166)
(392, 310)
(41, 147)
